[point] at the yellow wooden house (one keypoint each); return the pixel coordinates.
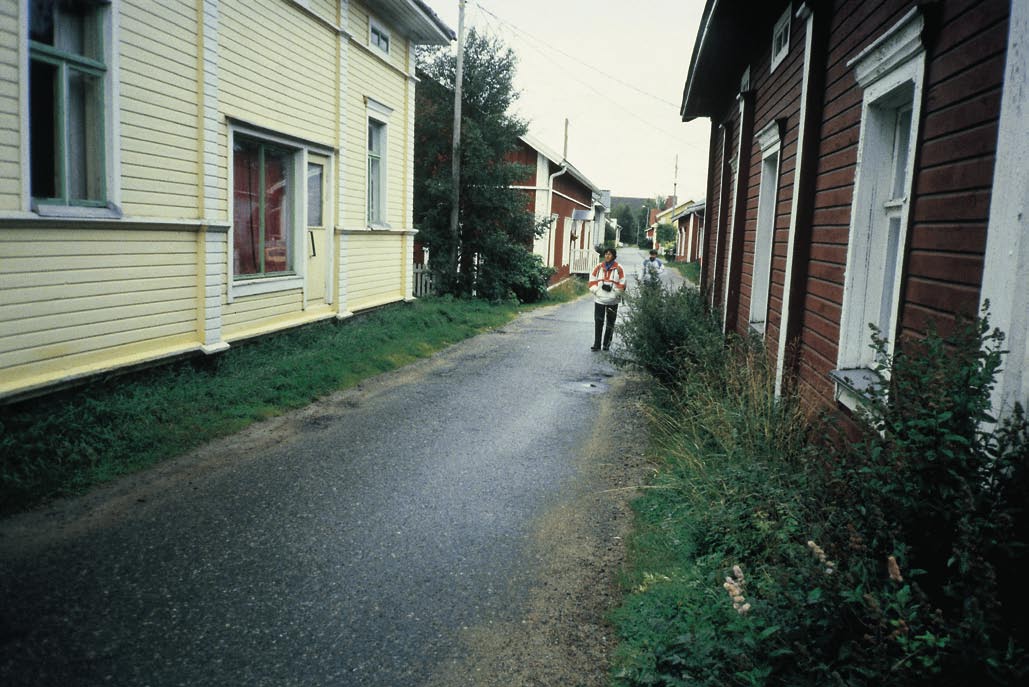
(177, 176)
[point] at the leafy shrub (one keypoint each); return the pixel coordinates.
(513, 271)
(764, 556)
(938, 488)
(668, 330)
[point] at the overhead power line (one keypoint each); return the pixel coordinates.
(594, 68)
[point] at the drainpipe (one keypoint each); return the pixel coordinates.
(550, 202)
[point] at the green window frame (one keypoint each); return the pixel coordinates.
(264, 193)
(378, 36)
(376, 172)
(67, 104)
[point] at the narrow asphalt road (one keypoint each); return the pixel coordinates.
(351, 543)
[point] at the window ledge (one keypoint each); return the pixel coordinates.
(757, 327)
(380, 226)
(253, 287)
(854, 386)
(76, 211)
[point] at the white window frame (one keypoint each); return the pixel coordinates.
(379, 114)
(770, 142)
(109, 207)
(1006, 262)
(891, 73)
(781, 34)
(375, 26)
(251, 286)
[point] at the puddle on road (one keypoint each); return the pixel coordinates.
(594, 385)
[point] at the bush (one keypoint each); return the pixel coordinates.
(669, 331)
(764, 556)
(512, 272)
(935, 486)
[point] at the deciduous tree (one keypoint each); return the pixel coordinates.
(496, 227)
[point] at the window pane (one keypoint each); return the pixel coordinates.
(41, 21)
(246, 212)
(374, 191)
(314, 195)
(902, 145)
(43, 130)
(85, 136)
(277, 211)
(71, 26)
(375, 131)
(889, 278)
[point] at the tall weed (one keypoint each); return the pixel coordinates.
(765, 555)
(668, 331)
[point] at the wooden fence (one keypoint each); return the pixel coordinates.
(422, 281)
(583, 260)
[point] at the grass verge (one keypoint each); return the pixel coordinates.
(689, 270)
(773, 548)
(66, 442)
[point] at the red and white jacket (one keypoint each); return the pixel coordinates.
(613, 276)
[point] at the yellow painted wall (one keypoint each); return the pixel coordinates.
(85, 297)
(374, 75)
(158, 108)
(278, 71)
(375, 269)
(74, 299)
(10, 144)
(253, 314)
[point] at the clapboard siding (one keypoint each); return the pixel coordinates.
(954, 184)
(10, 126)
(250, 313)
(295, 96)
(376, 275)
(777, 96)
(370, 78)
(158, 93)
(359, 13)
(951, 193)
(70, 295)
(78, 300)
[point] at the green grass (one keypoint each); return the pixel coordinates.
(67, 442)
(690, 270)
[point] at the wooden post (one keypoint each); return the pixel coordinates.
(455, 194)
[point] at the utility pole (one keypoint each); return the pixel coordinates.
(455, 151)
(675, 183)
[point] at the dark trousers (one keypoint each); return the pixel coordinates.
(603, 314)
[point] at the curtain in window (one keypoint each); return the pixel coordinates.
(276, 181)
(246, 226)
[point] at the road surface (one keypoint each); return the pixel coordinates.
(382, 536)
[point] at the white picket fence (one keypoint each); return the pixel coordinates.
(583, 260)
(422, 281)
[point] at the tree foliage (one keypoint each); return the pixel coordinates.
(491, 255)
(667, 233)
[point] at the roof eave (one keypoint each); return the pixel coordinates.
(416, 21)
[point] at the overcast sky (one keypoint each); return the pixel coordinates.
(616, 70)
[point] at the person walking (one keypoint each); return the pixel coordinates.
(607, 284)
(652, 268)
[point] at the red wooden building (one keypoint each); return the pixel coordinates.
(868, 164)
(556, 189)
(689, 224)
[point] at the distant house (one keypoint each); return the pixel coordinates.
(688, 219)
(183, 175)
(575, 207)
(659, 216)
(867, 165)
